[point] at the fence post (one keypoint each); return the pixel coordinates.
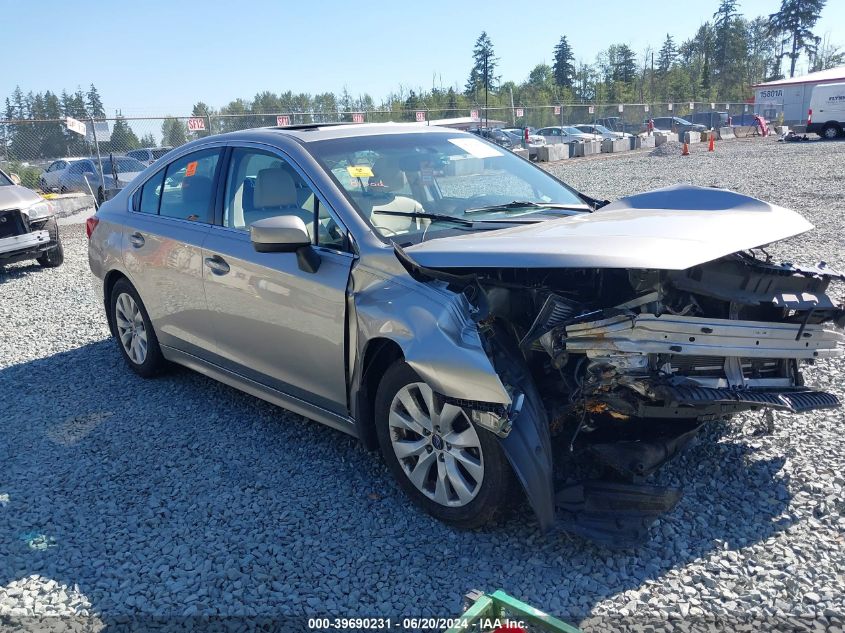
(99, 159)
(208, 122)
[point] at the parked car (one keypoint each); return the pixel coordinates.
(601, 131)
(437, 297)
(534, 139)
(711, 120)
(498, 136)
(676, 125)
(148, 155)
(85, 173)
(618, 124)
(565, 134)
(826, 116)
(28, 228)
(49, 180)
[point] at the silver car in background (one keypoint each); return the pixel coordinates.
(484, 325)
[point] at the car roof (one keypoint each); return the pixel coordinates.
(326, 131)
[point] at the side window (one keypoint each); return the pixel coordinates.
(262, 185)
(188, 190)
(77, 168)
(150, 194)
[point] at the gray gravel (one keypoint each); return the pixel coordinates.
(181, 496)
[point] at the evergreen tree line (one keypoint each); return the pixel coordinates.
(719, 63)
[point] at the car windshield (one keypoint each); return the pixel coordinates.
(602, 130)
(572, 130)
(123, 165)
(158, 153)
(681, 121)
(393, 179)
(5, 181)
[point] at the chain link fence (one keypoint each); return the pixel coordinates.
(31, 148)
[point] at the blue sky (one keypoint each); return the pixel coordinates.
(159, 57)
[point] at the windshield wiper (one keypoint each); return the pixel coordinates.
(442, 217)
(523, 204)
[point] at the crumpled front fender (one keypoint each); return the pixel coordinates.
(434, 328)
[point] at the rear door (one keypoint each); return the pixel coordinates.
(276, 323)
(171, 216)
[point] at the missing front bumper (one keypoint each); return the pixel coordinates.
(798, 401)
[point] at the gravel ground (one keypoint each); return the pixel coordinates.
(180, 496)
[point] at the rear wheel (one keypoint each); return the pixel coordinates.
(135, 335)
(55, 255)
(831, 131)
(444, 463)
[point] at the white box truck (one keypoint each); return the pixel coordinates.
(826, 116)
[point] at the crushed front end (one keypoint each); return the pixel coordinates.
(630, 364)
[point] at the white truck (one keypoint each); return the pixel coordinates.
(826, 116)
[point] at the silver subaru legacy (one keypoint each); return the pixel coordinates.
(498, 335)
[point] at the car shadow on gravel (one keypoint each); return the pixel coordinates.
(181, 495)
(12, 271)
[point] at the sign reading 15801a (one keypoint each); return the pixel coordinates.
(769, 94)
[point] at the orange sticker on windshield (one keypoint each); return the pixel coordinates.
(191, 170)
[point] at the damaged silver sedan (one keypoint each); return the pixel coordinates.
(495, 333)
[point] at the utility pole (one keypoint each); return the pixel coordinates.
(486, 89)
(513, 112)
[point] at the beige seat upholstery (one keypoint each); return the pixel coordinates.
(275, 194)
(386, 180)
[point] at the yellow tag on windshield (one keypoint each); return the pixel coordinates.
(360, 171)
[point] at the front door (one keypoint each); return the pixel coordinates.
(275, 323)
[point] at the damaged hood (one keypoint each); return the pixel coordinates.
(673, 228)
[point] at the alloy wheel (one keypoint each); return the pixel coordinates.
(436, 445)
(131, 328)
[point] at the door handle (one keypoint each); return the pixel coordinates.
(136, 239)
(217, 265)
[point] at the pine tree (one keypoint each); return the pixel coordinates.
(147, 140)
(666, 56)
(173, 132)
(563, 67)
(723, 22)
(483, 74)
(794, 23)
(123, 138)
(625, 65)
(94, 103)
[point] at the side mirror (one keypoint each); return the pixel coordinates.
(15, 178)
(285, 234)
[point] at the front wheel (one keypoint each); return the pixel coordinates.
(455, 471)
(55, 255)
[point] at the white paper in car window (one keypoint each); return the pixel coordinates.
(475, 148)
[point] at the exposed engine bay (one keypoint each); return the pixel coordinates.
(630, 364)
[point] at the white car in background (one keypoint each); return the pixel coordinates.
(605, 133)
(50, 178)
(148, 155)
(534, 139)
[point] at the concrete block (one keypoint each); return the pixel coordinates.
(690, 137)
(553, 152)
(465, 167)
(660, 138)
(69, 203)
(520, 151)
(725, 132)
(612, 146)
(647, 141)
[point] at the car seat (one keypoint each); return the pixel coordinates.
(275, 193)
(385, 181)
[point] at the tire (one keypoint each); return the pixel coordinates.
(479, 470)
(43, 185)
(831, 132)
(134, 332)
(100, 197)
(55, 255)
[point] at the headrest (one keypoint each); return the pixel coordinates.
(274, 187)
(196, 189)
(387, 177)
